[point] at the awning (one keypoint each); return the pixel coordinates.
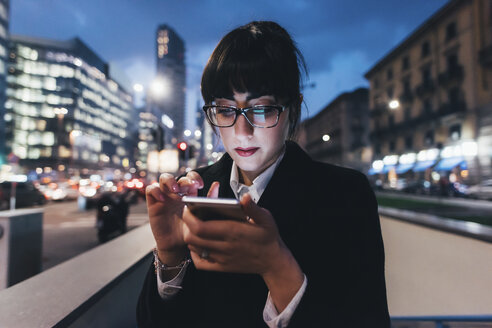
(448, 164)
(423, 165)
(403, 168)
(387, 168)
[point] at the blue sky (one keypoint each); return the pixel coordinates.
(340, 40)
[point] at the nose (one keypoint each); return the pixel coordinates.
(242, 128)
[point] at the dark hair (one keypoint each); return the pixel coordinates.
(261, 58)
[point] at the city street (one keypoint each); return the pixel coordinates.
(68, 232)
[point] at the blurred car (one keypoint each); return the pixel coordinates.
(26, 194)
(481, 191)
(395, 185)
(65, 191)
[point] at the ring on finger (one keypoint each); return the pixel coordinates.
(205, 254)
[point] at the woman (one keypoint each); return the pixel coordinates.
(312, 253)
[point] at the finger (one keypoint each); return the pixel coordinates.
(213, 192)
(188, 186)
(216, 246)
(212, 257)
(168, 183)
(196, 177)
(203, 264)
(154, 194)
(220, 230)
(259, 215)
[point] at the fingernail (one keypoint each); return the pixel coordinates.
(175, 188)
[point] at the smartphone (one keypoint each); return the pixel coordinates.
(215, 208)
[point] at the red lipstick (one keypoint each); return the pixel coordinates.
(246, 152)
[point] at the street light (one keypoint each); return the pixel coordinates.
(326, 138)
(159, 88)
(394, 104)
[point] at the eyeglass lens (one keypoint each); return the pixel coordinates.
(263, 116)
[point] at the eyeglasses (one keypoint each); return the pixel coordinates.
(259, 116)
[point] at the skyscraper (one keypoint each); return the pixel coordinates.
(171, 72)
(4, 27)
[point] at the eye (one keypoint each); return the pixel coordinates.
(225, 111)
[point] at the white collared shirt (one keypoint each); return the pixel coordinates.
(270, 314)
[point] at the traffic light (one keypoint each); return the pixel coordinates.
(183, 150)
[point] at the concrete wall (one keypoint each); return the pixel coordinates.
(429, 272)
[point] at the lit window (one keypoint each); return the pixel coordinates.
(20, 137)
(20, 151)
(34, 138)
(34, 153)
(46, 152)
(50, 83)
(48, 139)
(47, 111)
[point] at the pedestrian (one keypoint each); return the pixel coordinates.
(311, 255)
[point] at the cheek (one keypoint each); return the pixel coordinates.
(225, 136)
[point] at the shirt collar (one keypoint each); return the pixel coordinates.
(259, 183)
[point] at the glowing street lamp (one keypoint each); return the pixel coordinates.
(160, 88)
(394, 104)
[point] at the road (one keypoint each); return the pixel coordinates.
(68, 232)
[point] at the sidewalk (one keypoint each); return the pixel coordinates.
(64, 239)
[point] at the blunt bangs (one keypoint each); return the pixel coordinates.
(259, 58)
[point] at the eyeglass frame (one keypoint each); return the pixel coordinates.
(242, 111)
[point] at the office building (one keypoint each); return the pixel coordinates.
(4, 32)
(168, 96)
(63, 109)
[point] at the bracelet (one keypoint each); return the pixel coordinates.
(163, 267)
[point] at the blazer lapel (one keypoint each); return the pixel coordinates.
(221, 172)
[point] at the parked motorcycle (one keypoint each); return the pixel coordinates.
(112, 214)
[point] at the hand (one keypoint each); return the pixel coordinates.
(246, 247)
(165, 213)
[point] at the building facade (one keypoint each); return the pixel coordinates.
(63, 110)
(171, 76)
(338, 134)
(4, 53)
(430, 98)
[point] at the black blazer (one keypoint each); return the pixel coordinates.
(327, 216)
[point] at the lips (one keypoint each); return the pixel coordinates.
(246, 152)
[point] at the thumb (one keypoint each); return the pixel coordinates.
(259, 215)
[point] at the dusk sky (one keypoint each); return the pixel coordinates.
(340, 40)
